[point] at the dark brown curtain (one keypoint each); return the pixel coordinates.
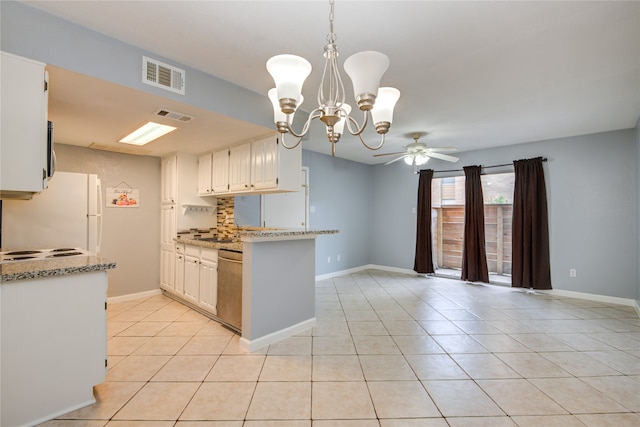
(474, 255)
(531, 266)
(423, 262)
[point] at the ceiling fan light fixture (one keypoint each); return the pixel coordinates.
(365, 70)
(416, 159)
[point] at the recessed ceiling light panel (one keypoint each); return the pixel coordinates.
(147, 133)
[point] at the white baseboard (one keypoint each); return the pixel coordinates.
(558, 292)
(138, 295)
(592, 297)
(258, 343)
(365, 267)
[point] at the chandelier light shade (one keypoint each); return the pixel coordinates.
(338, 128)
(382, 112)
(365, 70)
(278, 115)
(289, 73)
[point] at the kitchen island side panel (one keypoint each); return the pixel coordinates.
(278, 286)
(54, 345)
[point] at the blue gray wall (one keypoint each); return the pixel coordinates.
(592, 191)
(592, 181)
(340, 192)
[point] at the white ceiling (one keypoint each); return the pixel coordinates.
(472, 74)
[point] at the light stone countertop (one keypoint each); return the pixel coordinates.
(250, 233)
(48, 267)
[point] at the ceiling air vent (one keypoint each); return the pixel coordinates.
(159, 74)
(173, 115)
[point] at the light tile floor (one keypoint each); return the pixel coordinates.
(389, 350)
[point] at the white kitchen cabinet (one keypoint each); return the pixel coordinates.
(167, 270)
(167, 234)
(273, 166)
(208, 283)
(208, 280)
(220, 171)
(168, 222)
(179, 190)
(169, 179)
(240, 168)
(191, 279)
(196, 276)
(204, 175)
(178, 286)
(23, 134)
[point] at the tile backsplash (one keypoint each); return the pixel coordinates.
(225, 221)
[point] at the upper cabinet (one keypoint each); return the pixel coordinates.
(240, 168)
(204, 175)
(260, 166)
(169, 177)
(179, 176)
(23, 164)
(220, 171)
(274, 167)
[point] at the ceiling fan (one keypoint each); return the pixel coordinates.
(417, 153)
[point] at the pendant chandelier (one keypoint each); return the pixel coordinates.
(365, 70)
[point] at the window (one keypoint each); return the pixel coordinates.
(447, 201)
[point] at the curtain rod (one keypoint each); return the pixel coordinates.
(544, 159)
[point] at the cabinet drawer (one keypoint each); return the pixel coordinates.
(193, 251)
(180, 248)
(209, 254)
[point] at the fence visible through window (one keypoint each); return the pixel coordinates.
(447, 200)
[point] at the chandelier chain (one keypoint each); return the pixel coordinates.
(331, 37)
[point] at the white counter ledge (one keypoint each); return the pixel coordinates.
(258, 234)
(48, 267)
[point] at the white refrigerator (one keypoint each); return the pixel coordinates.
(68, 214)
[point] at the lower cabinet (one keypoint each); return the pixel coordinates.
(208, 282)
(167, 274)
(179, 270)
(191, 279)
(196, 276)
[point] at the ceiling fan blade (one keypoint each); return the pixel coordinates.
(443, 157)
(395, 160)
(389, 154)
(443, 149)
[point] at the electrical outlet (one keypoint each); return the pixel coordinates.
(329, 260)
(572, 272)
(338, 258)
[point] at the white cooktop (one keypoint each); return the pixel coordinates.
(30, 254)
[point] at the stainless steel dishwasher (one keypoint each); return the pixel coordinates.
(229, 304)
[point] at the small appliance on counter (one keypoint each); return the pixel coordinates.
(67, 215)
